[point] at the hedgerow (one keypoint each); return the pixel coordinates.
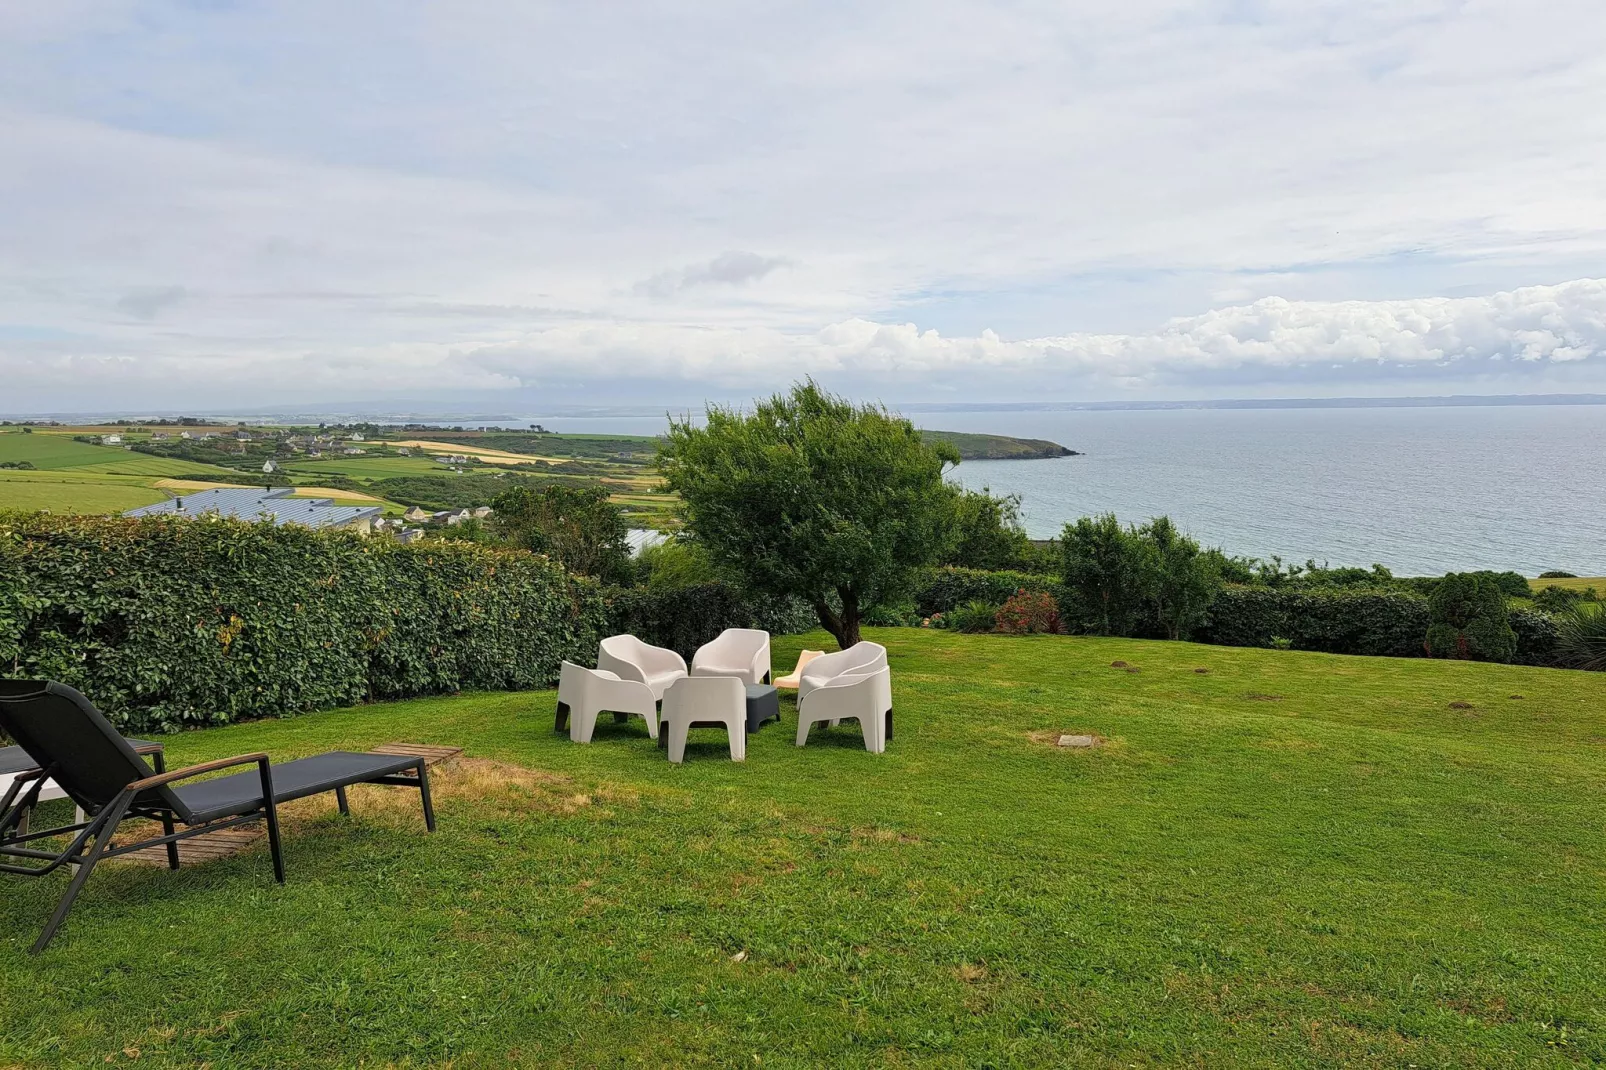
(942, 590)
(684, 618)
(170, 623)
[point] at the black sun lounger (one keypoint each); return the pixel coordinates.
(74, 745)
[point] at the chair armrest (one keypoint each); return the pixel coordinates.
(664, 658)
(196, 770)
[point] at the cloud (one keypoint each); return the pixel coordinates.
(922, 195)
(145, 302)
(726, 269)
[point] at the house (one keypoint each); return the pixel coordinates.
(268, 467)
(415, 515)
(356, 436)
(162, 436)
(208, 434)
(442, 517)
(242, 436)
(111, 440)
(482, 511)
(352, 451)
(277, 506)
(315, 452)
(459, 516)
(451, 459)
(185, 435)
(410, 535)
(405, 452)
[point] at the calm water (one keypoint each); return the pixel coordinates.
(1423, 491)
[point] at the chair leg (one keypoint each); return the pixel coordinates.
(738, 737)
(274, 846)
(423, 793)
(340, 801)
(172, 847)
(889, 724)
(803, 727)
(652, 722)
(110, 818)
(677, 740)
(582, 724)
(563, 717)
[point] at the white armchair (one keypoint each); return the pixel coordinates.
(865, 697)
(862, 657)
(630, 659)
(710, 701)
(740, 652)
(584, 693)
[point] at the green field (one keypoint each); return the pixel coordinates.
(1576, 584)
(68, 492)
(1287, 860)
(364, 469)
(56, 451)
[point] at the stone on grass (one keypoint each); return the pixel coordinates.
(1078, 741)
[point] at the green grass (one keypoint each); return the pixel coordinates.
(1576, 584)
(55, 451)
(66, 491)
(366, 469)
(1290, 860)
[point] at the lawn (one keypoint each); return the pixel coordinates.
(1576, 584)
(1290, 859)
(55, 451)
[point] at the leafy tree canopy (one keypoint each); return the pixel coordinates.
(813, 496)
(575, 526)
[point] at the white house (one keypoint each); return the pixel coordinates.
(111, 440)
(269, 467)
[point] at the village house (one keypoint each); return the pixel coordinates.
(111, 440)
(415, 515)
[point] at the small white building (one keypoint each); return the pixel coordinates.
(356, 436)
(111, 440)
(268, 467)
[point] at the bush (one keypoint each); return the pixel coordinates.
(684, 618)
(902, 615)
(168, 623)
(976, 616)
(941, 590)
(1537, 637)
(1468, 618)
(1581, 639)
(1334, 620)
(1028, 613)
(1554, 599)
(1557, 574)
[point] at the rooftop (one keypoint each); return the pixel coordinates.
(277, 505)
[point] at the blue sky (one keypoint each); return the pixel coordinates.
(216, 203)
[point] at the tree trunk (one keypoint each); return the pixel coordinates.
(843, 626)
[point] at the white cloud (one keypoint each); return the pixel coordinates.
(401, 196)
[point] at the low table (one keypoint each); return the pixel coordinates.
(763, 704)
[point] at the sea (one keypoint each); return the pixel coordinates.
(1422, 491)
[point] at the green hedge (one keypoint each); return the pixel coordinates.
(167, 623)
(684, 618)
(940, 590)
(1336, 620)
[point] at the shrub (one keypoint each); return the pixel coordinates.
(1105, 564)
(941, 590)
(1468, 619)
(1557, 574)
(1581, 639)
(1179, 580)
(1554, 599)
(1334, 620)
(167, 623)
(902, 615)
(976, 616)
(1028, 613)
(988, 531)
(684, 618)
(1537, 637)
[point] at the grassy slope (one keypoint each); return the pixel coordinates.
(1577, 584)
(66, 492)
(1295, 860)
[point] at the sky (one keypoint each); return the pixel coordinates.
(225, 203)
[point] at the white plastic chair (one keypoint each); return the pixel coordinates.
(705, 700)
(740, 652)
(790, 680)
(861, 657)
(584, 693)
(630, 659)
(865, 697)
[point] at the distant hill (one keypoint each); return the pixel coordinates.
(998, 447)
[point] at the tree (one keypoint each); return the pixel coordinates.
(1105, 565)
(1467, 619)
(813, 496)
(1179, 579)
(989, 535)
(574, 525)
